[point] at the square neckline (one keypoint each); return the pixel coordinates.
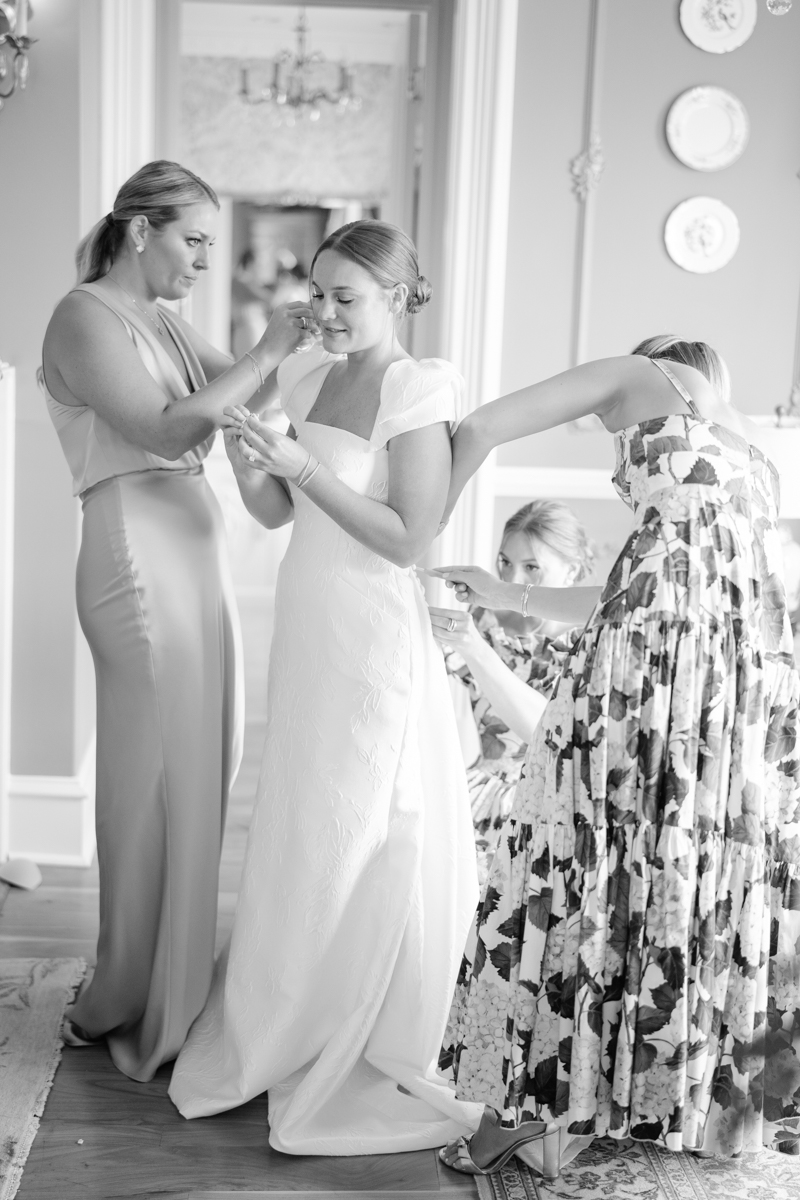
(321, 425)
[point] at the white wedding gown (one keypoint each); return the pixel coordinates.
(360, 880)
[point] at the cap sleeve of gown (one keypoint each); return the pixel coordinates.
(416, 394)
(295, 400)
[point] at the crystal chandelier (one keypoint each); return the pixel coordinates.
(14, 46)
(292, 91)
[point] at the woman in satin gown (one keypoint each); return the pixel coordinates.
(136, 397)
(360, 878)
(635, 964)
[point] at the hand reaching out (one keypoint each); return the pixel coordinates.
(474, 586)
(454, 629)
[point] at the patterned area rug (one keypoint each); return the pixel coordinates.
(610, 1171)
(33, 996)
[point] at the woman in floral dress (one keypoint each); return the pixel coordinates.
(508, 662)
(637, 968)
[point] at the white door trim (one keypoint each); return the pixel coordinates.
(7, 424)
(117, 98)
(476, 224)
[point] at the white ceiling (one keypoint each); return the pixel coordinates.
(356, 35)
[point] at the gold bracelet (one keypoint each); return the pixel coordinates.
(525, 595)
(256, 367)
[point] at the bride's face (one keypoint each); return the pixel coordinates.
(353, 311)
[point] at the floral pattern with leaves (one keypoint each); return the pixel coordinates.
(493, 777)
(635, 964)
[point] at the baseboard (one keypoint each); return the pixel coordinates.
(51, 817)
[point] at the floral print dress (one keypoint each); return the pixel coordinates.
(493, 777)
(635, 966)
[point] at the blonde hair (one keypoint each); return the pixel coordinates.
(699, 355)
(556, 526)
(159, 190)
(386, 253)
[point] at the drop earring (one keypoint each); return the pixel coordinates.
(140, 249)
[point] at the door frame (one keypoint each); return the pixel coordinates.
(127, 77)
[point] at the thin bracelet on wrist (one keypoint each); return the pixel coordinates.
(301, 478)
(525, 593)
(256, 367)
(303, 483)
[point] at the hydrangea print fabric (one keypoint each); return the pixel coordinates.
(635, 965)
(492, 779)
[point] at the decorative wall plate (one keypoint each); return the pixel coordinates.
(707, 128)
(718, 25)
(701, 235)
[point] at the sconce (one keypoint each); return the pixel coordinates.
(14, 46)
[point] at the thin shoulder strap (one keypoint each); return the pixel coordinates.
(98, 295)
(673, 378)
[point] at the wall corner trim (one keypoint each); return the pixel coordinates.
(476, 244)
(51, 817)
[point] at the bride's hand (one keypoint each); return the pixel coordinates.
(267, 450)
(231, 424)
(474, 586)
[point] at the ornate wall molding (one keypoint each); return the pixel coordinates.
(51, 817)
(117, 98)
(587, 167)
(476, 221)
(7, 422)
(586, 170)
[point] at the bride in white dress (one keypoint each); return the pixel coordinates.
(360, 880)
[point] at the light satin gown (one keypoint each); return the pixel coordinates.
(155, 601)
(360, 878)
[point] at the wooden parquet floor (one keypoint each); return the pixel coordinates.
(105, 1137)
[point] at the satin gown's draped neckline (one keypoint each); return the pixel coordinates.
(96, 450)
(639, 938)
(359, 880)
(138, 320)
(155, 601)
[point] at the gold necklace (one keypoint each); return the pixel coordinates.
(158, 325)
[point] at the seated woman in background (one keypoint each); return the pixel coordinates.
(510, 662)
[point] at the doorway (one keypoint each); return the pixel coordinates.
(285, 180)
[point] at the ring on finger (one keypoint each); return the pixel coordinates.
(451, 625)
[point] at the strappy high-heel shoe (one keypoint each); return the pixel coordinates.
(549, 1164)
(456, 1155)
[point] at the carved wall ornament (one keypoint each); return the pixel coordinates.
(587, 167)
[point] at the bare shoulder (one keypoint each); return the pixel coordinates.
(80, 317)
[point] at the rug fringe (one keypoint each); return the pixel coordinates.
(10, 1186)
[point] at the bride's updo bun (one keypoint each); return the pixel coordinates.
(384, 252)
(419, 295)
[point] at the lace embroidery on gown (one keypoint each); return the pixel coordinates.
(359, 882)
